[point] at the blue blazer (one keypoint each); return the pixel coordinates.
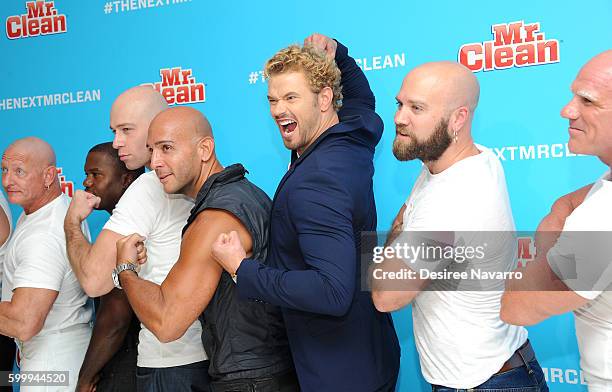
(338, 340)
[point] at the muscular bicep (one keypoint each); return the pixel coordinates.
(192, 281)
(32, 305)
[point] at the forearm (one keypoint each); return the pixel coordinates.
(109, 332)
(151, 307)
(531, 307)
(91, 263)
(305, 290)
(78, 249)
(12, 322)
(355, 85)
(389, 292)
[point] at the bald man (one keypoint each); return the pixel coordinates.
(242, 358)
(146, 209)
(7, 345)
(572, 270)
(459, 196)
(43, 306)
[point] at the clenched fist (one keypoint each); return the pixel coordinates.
(81, 205)
(228, 251)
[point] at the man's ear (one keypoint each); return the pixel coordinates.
(459, 117)
(326, 97)
(49, 175)
(206, 148)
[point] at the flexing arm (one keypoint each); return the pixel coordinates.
(384, 297)
(24, 315)
(540, 294)
(168, 310)
(323, 220)
(92, 264)
(356, 92)
(113, 320)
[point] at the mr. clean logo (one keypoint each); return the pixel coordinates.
(42, 19)
(515, 44)
(178, 86)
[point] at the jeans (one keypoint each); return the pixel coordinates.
(526, 378)
(191, 377)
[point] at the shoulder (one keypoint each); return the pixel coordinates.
(235, 197)
(145, 188)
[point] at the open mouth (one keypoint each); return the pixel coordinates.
(287, 125)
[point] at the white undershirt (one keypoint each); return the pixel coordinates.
(592, 254)
(459, 335)
(147, 210)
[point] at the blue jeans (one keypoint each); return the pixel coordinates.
(526, 378)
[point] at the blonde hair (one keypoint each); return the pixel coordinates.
(320, 71)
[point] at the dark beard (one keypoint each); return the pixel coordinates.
(428, 150)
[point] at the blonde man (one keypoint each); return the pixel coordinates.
(338, 340)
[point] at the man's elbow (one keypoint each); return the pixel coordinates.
(93, 287)
(385, 302)
(29, 329)
(511, 312)
(168, 333)
(339, 308)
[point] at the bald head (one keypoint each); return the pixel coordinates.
(142, 99)
(599, 70)
(184, 120)
(182, 149)
(38, 151)
(590, 110)
(130, 117)
(451, 82)
(29, 174)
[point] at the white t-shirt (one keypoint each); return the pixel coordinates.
(5, 207)
(36, 258)
(147, 210)
(459, 335)
(591, 263)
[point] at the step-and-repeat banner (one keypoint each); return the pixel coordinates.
(65, 61)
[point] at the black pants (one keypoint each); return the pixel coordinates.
(119, 374)
(7, 357)
(281, 382)
(192, 377)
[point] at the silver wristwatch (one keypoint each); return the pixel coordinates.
(120, 268)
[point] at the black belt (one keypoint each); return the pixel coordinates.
(521, 357)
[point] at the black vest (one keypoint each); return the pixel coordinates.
(243, 339)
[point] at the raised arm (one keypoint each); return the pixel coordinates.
(168, 310)
(356, 90)
(92, 263)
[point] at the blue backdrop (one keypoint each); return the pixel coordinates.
(64, 63)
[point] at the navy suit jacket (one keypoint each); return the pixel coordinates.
(338, 340)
